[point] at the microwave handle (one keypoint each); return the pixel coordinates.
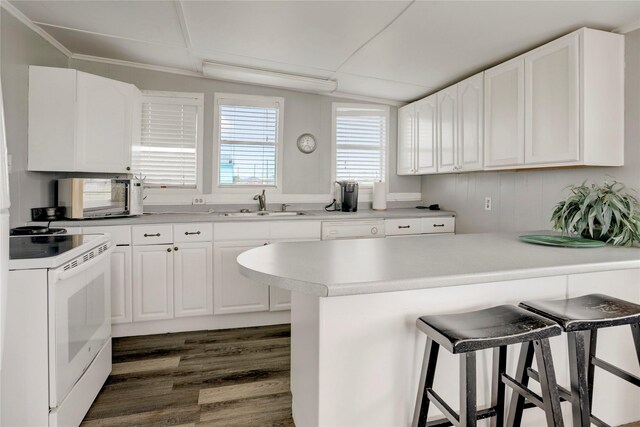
(61, 274)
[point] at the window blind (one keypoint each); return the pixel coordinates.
(361, 140)
(168, 149)
(248, 143)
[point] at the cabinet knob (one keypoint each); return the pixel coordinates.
(168, 249)
(128, 168)
(175, 248)
(265, 244)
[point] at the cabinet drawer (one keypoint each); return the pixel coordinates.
(438, 225)
(241, 231)
(295, 230)
(398, 227)
(192, 232)
(120, 234)
(151, 234)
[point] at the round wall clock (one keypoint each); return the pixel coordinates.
(307, 143)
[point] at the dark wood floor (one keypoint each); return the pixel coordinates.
(232, 377)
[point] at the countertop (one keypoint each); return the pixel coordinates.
(162, 218)
(351, 267)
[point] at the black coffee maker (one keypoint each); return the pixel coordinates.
(349, 195)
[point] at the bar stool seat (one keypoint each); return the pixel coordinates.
(582, 317)
(488, 328)
(587, 312)
(493, 328)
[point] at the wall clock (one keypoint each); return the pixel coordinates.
(307, 143)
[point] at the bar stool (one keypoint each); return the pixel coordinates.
(580, 318)
(495, 328)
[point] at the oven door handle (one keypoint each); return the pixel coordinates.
(61, 274)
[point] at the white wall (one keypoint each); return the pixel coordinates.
(524, 200)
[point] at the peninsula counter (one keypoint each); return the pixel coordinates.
(356, 353)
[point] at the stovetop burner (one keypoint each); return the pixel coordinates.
(35, 230)
(30, 247)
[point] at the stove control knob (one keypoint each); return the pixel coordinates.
(374, 230)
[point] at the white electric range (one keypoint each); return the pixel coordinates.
(58, 338)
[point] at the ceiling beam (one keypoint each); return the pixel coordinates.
(184, 27)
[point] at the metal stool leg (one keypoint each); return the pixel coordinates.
(635, 331)
(426, 382)
(593, 342)
(497, 386)
(579, 352)
(516, 407)
(468, 409)
(548, 384)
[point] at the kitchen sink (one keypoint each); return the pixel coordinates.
(264, 213)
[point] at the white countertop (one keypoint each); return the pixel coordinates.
(186, 217)
(352, 267)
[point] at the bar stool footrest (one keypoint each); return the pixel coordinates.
(523, 391)
(623, 375)
(565, 395)
(444, 422)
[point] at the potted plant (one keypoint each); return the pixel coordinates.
(608, 213)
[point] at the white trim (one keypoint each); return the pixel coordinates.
(273, 198)
(371, 99)
(38, 30)
(257, 100)
(140, 65)
(198, 97)
(363, 191)
(627, 28)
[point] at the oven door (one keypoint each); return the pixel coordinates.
(79, 321)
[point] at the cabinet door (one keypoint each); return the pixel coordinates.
(471, 123)
(152, 282)
(232, 292)
(405, 153)
(121, 285)
(504, 115)
(104, 125)
(426, 142)
(447, 129)
(193, 283)
(551, 102)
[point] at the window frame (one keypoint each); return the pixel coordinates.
(363, 189)
(199, 102)
(249, 100)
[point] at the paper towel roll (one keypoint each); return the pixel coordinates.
(379, 196)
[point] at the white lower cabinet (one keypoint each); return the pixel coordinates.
(192, 279)
(121, 285)
(234, 293)
(152, 282)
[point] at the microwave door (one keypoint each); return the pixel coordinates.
(104, 197)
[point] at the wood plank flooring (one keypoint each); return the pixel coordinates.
(231, 377)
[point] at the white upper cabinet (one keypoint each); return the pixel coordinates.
(551, 90)
(471, 123)
(417, 137)
(447, 129)
(406, 123)
(561, 104)
(80, 122)
(504, 114)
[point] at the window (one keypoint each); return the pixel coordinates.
(249, 132)
(360, 143)
(170, 151)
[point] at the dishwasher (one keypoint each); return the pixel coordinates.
(353, 229)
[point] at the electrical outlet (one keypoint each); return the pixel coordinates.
(487, 203)
(197, 201)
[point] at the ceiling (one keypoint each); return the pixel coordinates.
(394, 50)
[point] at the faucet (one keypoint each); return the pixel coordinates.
(262, 200)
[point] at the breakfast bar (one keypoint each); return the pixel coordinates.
(356, 353)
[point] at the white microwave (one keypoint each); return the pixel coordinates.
(85, 198)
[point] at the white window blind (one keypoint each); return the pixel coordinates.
(168, 152)
(248, 142)
(361, 141)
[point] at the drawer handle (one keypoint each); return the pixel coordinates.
(187, 233)
(438, 225)
(404, 226)
(152, 235)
